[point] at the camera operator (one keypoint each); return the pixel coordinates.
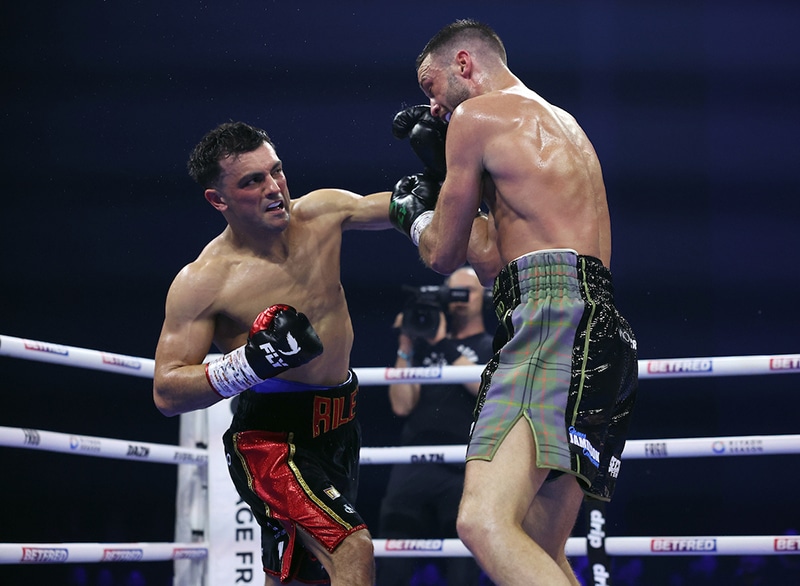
(421, 501)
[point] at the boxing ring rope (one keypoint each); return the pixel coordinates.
(51, 441)
(17, 553)
(49, 553)
(659, 368)
(103, 447)
(95, 553)
(621, 546)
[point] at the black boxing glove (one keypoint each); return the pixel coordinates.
(412, 203)
(426, 133)
(279, 339)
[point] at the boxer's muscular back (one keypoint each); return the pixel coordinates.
(545, 185)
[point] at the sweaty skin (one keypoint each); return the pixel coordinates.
(534, 168)
(531, 164)
(268, 259)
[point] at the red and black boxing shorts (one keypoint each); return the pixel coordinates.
(302, 472)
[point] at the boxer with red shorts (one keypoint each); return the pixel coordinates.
(266, 292)
(293, 457)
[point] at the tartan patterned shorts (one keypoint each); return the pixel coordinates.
(566, 361)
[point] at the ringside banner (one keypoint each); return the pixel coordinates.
(236, 555)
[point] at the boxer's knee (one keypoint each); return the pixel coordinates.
(353, 561)
(471, 525)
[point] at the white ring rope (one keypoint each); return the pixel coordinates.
(77, 357)
(85, 445)
(753, 445)
(659, 368)
(61, 553)
(49, 553)
(41, 553)
(746, 445)
(644, 546)
(625, 546)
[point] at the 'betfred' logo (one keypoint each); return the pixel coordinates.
(413, 373)
(48, 348)
(44, 555)
(680, 366)
(122, 555)
(414, 544)
(784, 363)
(670, 545)
(189, 553)
(787, 544)
(121, 361)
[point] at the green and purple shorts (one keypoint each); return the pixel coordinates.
(565, 360)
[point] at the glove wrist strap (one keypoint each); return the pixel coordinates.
(231, 374)
(419, 225)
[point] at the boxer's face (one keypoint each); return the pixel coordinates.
(253, 187)
(444, 85)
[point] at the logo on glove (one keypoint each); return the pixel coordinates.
(292, 344)
(272, 354)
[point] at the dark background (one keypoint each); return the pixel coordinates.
(692, 107)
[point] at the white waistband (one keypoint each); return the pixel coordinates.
(546, 251)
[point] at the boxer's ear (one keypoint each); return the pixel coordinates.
(215, 198)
